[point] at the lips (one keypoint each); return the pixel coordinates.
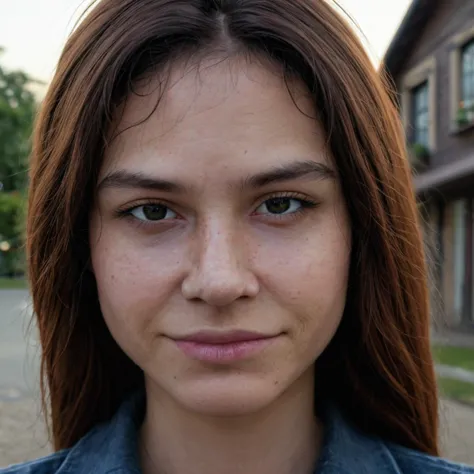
(223, 347)
(213, 337)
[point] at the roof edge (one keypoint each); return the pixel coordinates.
(391, 57)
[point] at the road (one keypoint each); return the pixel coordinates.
(18, 347)
(22, 433)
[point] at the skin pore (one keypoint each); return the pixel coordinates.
(222, 212)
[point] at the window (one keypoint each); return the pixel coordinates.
(420, 115)
(461, 72)
(418, 108)
(467, 78)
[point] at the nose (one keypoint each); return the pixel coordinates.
(220, 273)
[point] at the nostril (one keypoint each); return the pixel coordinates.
(196, 299)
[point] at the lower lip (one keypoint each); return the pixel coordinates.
(223, 353)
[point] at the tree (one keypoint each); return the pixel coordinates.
(17, 110)
(12, 218)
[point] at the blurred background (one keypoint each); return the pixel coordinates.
(427, 46)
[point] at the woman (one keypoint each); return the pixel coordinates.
(225, 260)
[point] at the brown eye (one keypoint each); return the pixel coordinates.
(279, 205)
(153, 212)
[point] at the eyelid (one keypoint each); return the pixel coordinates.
(126, 208)
(284, 194)
(125, 213)
(307, 204)
(289, 195)
(161, 202)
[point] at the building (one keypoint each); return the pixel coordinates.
(431, 61)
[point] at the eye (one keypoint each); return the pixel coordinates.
(152, 212)
(280, 206)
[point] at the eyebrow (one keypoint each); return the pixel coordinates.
(287, 172)
(138, 180)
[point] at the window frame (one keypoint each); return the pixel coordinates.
(418, 109)
(469, 97)
(418, 75)
(457, 45)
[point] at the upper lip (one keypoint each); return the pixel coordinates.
(223, 337)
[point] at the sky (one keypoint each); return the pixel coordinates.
(33, 32)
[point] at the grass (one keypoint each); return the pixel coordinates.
(12, 283)
(456, 356)
(456, 390)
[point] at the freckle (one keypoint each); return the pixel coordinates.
(245, 152)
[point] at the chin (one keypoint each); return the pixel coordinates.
(224, 397)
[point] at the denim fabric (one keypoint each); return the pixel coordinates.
(112, 448)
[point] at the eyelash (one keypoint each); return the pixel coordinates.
(306, 204)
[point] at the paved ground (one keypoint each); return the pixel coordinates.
(463, 338)
(18, 347)
(22, 433)
(457, 432)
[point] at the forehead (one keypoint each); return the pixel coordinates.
(232, 115)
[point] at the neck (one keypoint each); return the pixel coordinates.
(283, 438)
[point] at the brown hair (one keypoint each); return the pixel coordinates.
(378, 368)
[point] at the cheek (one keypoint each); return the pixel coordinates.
(311, 267)
(134, 283)
(319, 299)
(309, 278)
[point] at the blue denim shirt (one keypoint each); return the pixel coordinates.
(112, 448)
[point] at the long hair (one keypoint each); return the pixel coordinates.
(378, 368)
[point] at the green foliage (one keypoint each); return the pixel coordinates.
(17, 110)
(13, 284)
(455, 356)
(456, 390)
(419, 155)
(462, 117)
(421, 151)
(12, 219)
(12, 210)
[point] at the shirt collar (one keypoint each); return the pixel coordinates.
(346, 450)
(113, 447)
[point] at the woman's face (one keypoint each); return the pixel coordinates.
(220, 239)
